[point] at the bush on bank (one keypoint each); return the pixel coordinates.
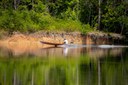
(31, 21)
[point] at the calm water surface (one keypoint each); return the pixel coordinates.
(64, 66)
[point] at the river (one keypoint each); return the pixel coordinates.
(92, 65)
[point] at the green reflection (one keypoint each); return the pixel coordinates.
(38, 71)
(64, 71)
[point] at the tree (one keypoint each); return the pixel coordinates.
(99, 15)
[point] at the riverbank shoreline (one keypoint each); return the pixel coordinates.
(92, 38)
(21, 43)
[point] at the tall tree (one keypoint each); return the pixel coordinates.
(15, 4)
(99, 15)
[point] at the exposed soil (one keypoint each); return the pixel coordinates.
(26, 41)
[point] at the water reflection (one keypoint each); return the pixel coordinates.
(36, 71)
(65, 51)
(93, 52)
(64, 66)
(57, 76)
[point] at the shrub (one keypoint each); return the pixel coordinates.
(31, 21)
(86, 28)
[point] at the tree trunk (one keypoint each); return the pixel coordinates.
(122, 26)
(18, 2)
(77, 15)
(99, 16)
(15, 5)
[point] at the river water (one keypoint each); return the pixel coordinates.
(92, 65)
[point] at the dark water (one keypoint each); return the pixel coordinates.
(64, 66)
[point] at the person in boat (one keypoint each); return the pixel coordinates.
(65, 41)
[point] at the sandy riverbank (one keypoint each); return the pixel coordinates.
(30, 43)
(24, 41)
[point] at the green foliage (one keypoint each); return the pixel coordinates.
(113, 18)
(65, 15)
(87, 28)
(88, 11)
(65, 25)
(32, 21)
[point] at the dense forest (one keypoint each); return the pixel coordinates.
(64, 15)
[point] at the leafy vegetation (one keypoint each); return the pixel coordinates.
(64, 15)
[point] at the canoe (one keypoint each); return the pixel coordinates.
(65, 45)
(59, 44)
(49, 43)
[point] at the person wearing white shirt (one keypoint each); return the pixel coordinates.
(65, 41)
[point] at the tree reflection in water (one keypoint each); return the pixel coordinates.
(82, 70)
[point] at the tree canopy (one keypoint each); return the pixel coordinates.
(67, 15)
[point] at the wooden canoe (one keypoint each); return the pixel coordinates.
(49, 43)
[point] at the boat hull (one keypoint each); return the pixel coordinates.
(49, 43)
